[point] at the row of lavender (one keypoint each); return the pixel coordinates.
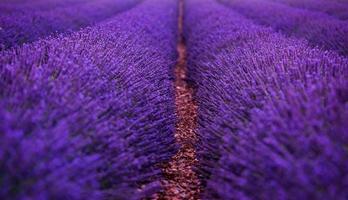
(331, 7)
(272, 110)
(90, 115)
(20, 6)
(316, 27)
(32, 22)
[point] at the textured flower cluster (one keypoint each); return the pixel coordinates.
(272, 110)
(29, 23)
(334, 8)
(317, 28)
(20, 6)
(90, 115)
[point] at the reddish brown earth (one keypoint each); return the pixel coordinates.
(181, 182)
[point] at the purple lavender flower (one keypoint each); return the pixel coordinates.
(20, 6)
(90, 115)
(334, 8)
(31, 25)
(272, 110)
(319, 29)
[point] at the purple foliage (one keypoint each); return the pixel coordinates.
(272, 110)
(90, 115)
(20, 6)
(43, 161)
(319, 29)
(334, 8)
(30, 25)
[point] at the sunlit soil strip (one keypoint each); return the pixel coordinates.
(181, 182)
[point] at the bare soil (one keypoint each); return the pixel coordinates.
(181, 182)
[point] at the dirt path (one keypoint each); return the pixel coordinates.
(181, 182)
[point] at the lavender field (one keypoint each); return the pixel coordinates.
(173, 99)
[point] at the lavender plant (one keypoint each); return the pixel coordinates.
(18, 28)
(90, 115)
(272, 110)
(319, 29)
(334, 8)
(12, 6)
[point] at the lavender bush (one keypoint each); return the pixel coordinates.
(272, 110)
(334, 8)
(21, 6)
(319, 29)
(90, 115)
(30, 25)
